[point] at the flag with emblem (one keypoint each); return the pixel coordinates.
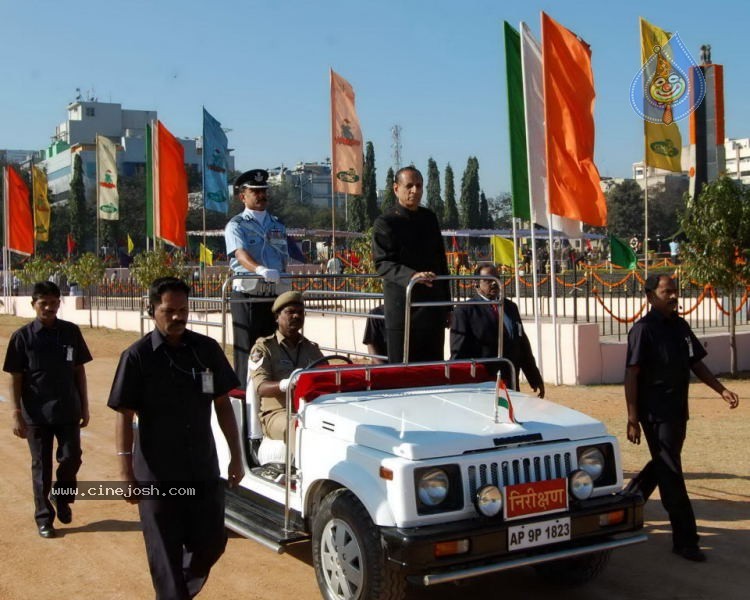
(41, 204)
(107, 197)
(19, 223)
(503, 399)
(215, 153)
(346, 138)
(663, 142)
(206, 256)
(621, 254)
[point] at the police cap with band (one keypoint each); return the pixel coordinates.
(253, 179)
(285, 300)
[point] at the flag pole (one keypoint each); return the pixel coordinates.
(98, 191)
(333, 175)
(33, 204)
(515, 261)
(645, 223)
(553, 291)
(537, 316)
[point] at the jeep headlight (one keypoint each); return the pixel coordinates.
(591, 460)
(581, 484)
(433, 487)
(489, 500)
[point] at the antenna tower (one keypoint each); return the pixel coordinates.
(396, 146)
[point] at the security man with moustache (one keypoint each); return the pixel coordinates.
(170, 379)
(46, 361)
(256, 244)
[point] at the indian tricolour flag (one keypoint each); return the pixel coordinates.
(503, 399)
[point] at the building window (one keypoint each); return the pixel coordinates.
(90, 112)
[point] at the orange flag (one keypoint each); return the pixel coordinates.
(19, 223)
(346, 138)
(171, 201)
(572, 176)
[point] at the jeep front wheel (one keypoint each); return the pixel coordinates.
(347, 555)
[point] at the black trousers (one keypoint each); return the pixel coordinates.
(665, 440)
(40, 439)
(252, 318)
(424, 344)
(184, 538)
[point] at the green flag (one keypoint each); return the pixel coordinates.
(519, 171)
(149, 185)
(622, 255)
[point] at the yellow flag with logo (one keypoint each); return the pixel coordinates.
(503, 251)
(663, 142)
(206, 256)
(131, 245)
(41, 204)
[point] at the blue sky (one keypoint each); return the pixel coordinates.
(261, 68)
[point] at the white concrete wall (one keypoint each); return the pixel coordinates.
(583, 358)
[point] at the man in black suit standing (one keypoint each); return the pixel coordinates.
(474, 330)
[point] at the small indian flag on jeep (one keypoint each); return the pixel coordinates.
(503, 400)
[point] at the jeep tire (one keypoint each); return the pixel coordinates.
(347, 554)
(575, 571)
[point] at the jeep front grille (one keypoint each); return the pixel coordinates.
(520, 470)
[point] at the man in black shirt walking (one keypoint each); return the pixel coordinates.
(46, 361)
(662, 351)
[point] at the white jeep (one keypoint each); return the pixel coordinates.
(418, 473)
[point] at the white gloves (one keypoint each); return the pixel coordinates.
(283, 385)
(270, 275)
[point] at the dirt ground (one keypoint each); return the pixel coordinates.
(101, 554)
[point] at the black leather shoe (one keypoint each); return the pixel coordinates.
(64, 514)
(692, 553)
(47, 531)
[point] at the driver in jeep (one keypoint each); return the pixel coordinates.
(274, 358)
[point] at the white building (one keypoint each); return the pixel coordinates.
(737, 166)
(312, 180)
(126, 128)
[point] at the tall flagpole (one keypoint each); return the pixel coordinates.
(645, 223)
(515, 261)
(333, 175)
(33, 204)
(202, 249)
(98, 222)
(553, 290)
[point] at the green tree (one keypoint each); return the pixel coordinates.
(356, 214)
(450, 216)
(389, 196)
(665, 206)
(370, 187)
(625, 209)
(434, 201)
(469, 202)
(37, 268)
(153, 264)
(501, 211)
(484, 212)
(86, 271)
(717, 226)
(82, 219)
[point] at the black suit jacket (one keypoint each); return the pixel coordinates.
(474, 331)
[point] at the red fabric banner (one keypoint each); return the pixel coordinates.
(19, 222)
(172, 200)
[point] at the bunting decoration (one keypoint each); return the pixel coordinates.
(346, 138)
(41, 204)
(107, 197)
(215, 153)
(573, 180)
(131, 245)
(18, 221)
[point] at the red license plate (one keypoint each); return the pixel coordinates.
(537, 498)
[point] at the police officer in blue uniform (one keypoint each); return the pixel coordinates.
(256, 244)
(46, 361)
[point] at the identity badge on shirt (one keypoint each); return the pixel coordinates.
(689, 343)
(207, 382)
(69, 353)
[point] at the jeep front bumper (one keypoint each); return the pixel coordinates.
(488, 549)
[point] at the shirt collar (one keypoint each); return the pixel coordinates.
(282, 340)
(36, 325)
(158, 339)
(256, 215)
